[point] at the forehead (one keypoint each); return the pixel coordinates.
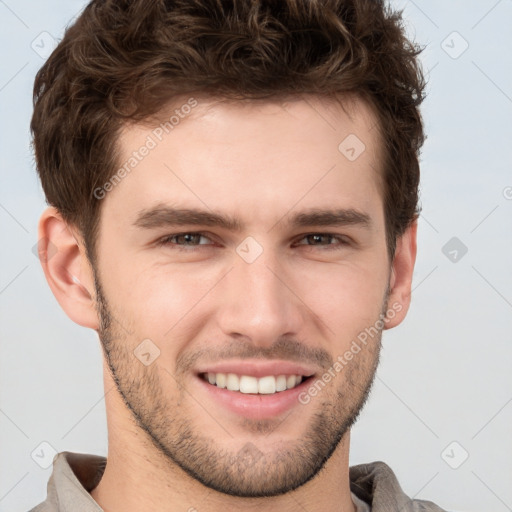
(262, 156)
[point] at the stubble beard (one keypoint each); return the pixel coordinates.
(249, 471)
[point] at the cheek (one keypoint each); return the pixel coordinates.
(159, 300)
(347, 297)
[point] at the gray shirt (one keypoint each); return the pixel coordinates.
(374, 487)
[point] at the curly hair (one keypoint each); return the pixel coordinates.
(123, 59)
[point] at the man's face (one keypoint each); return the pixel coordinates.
(280, 293)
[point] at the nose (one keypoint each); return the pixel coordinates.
(258, 302)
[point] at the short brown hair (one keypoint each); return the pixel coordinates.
(122, 60)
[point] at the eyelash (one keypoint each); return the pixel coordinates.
(167, 240)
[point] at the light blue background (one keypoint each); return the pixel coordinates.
(446, 372)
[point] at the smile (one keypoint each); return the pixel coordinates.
(247, 384)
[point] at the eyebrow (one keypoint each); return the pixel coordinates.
(163, 216)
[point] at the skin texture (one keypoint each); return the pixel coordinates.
(303, 299)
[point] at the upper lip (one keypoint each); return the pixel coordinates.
(258, 368)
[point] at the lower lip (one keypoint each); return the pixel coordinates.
(255, 406)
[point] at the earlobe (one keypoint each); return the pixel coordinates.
(66, 268)
(401, 276)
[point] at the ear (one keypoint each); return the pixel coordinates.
(401, 277)
(66, 268)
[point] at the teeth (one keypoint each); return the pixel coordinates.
(267, 385)
(281, 383)
(220, 379)
(232, 382)
(247, 384)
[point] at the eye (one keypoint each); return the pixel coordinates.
(191, 239)
(327, 240)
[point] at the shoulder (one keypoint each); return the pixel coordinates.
(376, 484)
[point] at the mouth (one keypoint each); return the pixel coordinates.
(255, 389)
(251, 385)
